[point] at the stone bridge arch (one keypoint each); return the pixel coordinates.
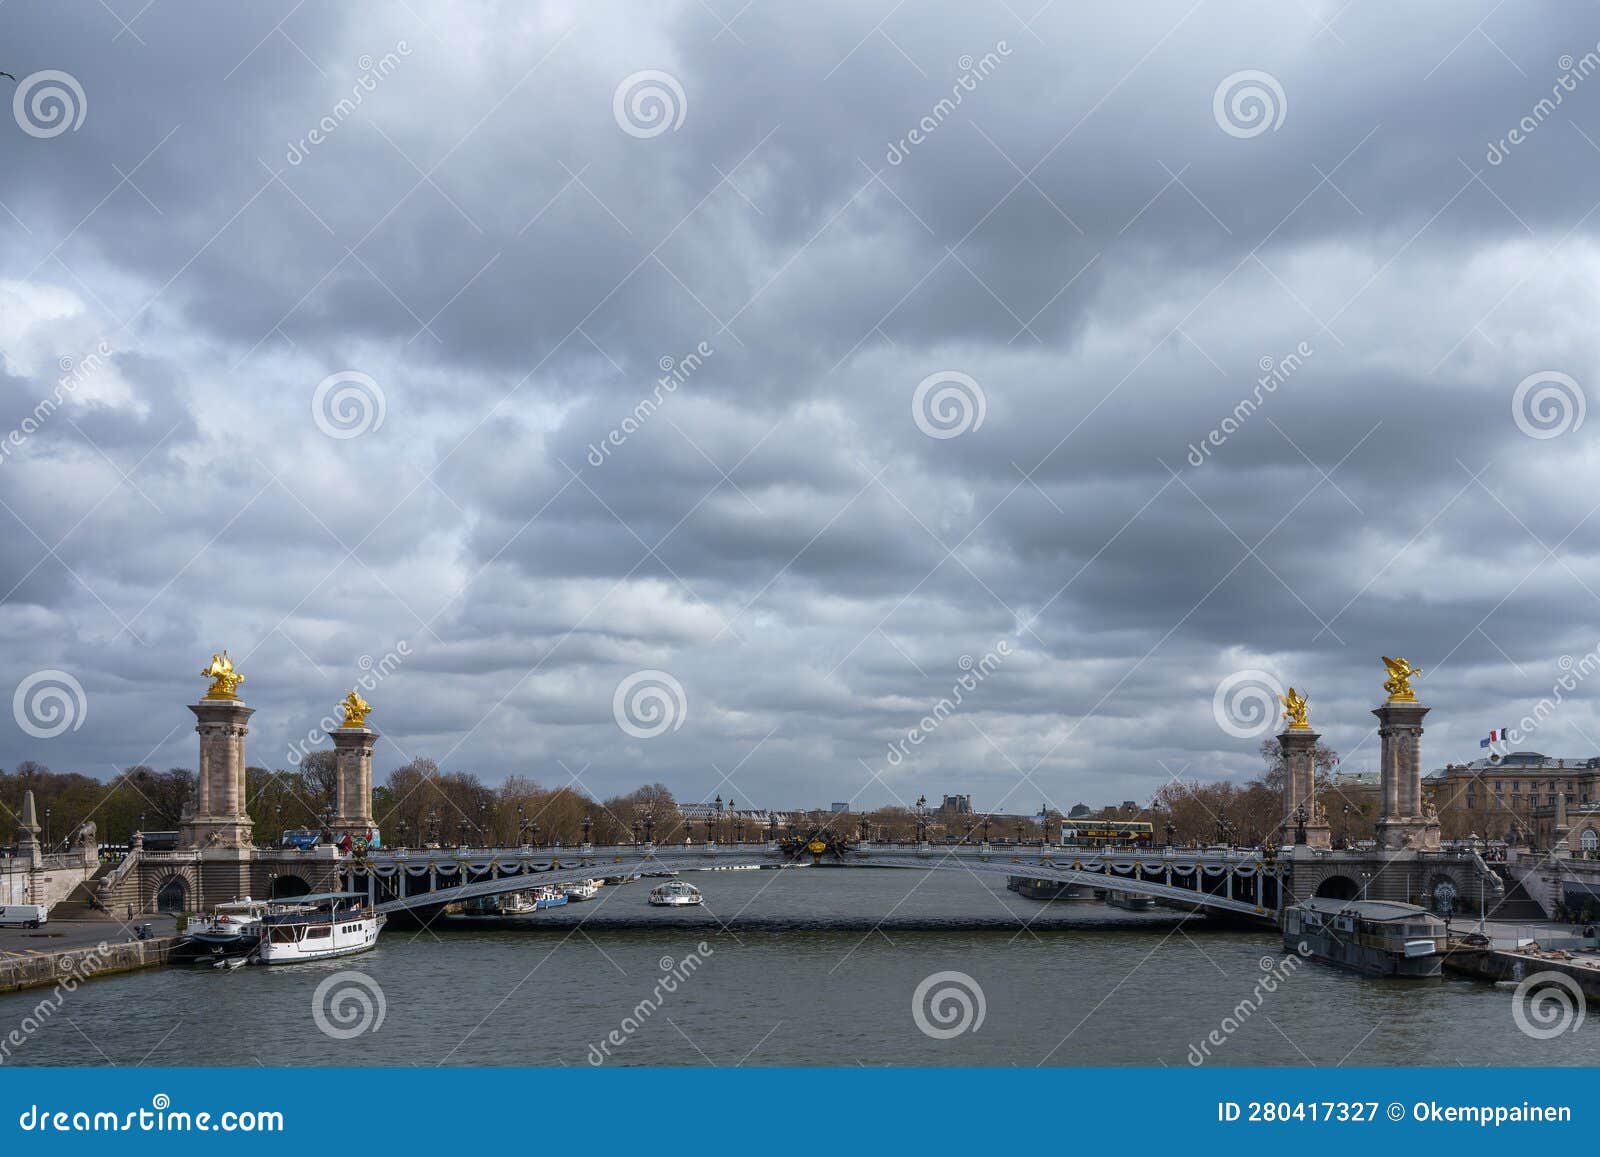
(172, 891)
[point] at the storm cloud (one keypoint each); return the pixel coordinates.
(805, 358)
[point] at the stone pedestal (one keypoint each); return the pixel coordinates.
(220, 819)
(1299, 747)
(353, 764)
(1403, 823)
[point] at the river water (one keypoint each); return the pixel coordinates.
(797, 967)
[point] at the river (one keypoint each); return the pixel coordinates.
(818, 966)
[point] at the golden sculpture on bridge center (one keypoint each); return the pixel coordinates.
(356, 710)
(1294, 710)
(1398, 684)
(224, 679)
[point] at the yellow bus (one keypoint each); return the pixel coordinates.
(1107, 833)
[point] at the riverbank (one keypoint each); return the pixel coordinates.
(80, 949)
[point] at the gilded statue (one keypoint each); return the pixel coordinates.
(1294, 710)
(356, 710)
(1398, 684)
(224, 679)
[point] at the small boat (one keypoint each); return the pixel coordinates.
(517, 904)
(1375, 937)
(674, 894)
(548, 896)
(582, 890)
(1130, 901)
(232, 930)
(317, 927)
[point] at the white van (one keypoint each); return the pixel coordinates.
(23, 915)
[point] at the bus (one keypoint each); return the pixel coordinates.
(1107, 833)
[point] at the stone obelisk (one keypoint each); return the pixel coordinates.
(1403, 822)
(352, 743)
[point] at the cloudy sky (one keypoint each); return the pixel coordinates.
(337, 339)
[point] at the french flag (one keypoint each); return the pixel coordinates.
(1494, 737)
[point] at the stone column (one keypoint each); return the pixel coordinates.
(1299, 747)
(220, 819)
(353, 764)
(1403, 823)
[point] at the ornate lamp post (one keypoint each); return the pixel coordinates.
(433, 825)
(1222, 824)
(966, 837)
(738, 828)
(588, 823)
(714, 826)
(1019, 833)
(772, 828)
(533, 831)
(985, 829)
(650, 827)
(403, 842)
(1172, 829)
(1344, 837)
(1300, 818)
(461, 833)
(522, 825)
(922, 822)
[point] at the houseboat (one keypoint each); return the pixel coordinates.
(1374, 937)
(674, 894)
(317, 927)
(1047, 889)
(1130, 901)
(582, 890)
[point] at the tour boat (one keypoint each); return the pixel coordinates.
(232, 929)
(547, 896)
(582, 890)
(674, 894)
(317, 927)
(1130, 901)
(1376, 937)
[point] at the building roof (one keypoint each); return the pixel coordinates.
(1367, 909)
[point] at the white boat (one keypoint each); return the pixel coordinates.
(517, 904)
(317, 927)
(674, 894)
(548, 896)
(582, 890)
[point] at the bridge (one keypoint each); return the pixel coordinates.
(420, 884)
(217, 859)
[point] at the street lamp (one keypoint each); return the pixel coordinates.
(1300, 818)
(461, 833)
(522, 824)
(403, 843)
(588, 823)
(986, 829)
(1172, 829)
(713, 833)
(649, 827)
(922, 823)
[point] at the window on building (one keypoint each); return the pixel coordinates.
(1589, 841)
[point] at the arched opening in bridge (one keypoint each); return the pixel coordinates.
(170, 896)
(1338, 888)
(286, 887)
